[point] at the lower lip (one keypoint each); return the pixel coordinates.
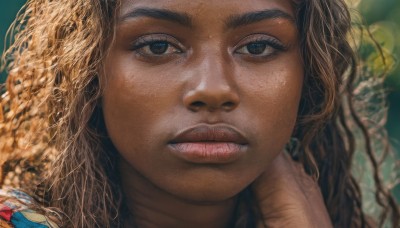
(208, 152)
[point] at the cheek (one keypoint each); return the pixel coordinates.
(271, 97)
(274, 96)
(132, 104)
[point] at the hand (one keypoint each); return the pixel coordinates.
(288, 197)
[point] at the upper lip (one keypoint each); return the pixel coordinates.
(210, 133)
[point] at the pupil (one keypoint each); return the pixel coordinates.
(159, 48)
(256, 48)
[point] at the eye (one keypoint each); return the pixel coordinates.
(156, 46)
(259, 46)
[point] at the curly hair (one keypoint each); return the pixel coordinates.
(52, 129)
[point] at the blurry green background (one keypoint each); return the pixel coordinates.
(383, 16)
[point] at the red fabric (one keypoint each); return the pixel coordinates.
(5, 212)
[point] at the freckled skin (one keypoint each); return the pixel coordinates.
(147, 100)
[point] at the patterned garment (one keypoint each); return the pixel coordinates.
(16, 211)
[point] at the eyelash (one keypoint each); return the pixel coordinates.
(146, 41)
(271, 43)
(261, 39)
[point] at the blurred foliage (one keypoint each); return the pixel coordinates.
(8, 11)
(383, 20)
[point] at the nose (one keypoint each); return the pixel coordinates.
(212, 88)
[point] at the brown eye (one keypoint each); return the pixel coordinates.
(259, 46)
(159, 48)
(256, 48)
(157, 45)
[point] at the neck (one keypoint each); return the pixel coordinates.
(150, 206)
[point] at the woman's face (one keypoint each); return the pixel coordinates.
(200, 96)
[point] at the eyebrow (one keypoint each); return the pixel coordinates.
(253, 17)
(162, 14)
(184, 19)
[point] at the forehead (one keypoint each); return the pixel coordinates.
(209, 9)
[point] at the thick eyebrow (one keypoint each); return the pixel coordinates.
(162, 14)
(253, 17)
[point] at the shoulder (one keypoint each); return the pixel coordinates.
(18, 210)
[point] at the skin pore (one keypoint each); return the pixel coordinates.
(218, 67)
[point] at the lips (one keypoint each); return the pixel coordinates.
(209, 144)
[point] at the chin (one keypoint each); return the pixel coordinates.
(206, 195)
(208, 188)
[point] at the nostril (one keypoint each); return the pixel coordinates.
(228, 105)
(197, 105)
